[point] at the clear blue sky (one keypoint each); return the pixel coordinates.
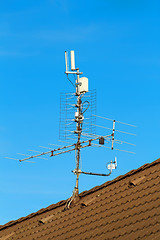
(117, 47)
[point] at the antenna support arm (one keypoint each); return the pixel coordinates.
(77, 73)
(90, 173)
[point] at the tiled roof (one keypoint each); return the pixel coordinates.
(127, 207)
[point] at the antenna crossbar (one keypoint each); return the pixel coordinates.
(113, 120)
(124, 151)
(52, 152)
(115, 129)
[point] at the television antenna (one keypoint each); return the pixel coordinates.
(81, 91)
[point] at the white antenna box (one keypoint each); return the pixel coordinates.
(83, 85)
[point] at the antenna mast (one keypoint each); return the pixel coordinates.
(81, 89)
(81, 86)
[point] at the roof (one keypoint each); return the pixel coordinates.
(127, 207)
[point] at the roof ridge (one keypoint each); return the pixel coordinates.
(84, 193)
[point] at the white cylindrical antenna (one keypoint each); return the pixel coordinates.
(72, 61)
(66, 61)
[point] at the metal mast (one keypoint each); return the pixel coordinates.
(79, 131)
(78, 119)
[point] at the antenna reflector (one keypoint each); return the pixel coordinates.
(72, 61)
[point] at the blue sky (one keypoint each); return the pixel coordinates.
(117, 47)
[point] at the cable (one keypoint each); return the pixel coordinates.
(70, 81)
(86, 107)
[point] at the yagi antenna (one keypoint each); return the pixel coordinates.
(77, 105)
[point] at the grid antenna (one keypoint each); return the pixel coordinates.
(77, 123)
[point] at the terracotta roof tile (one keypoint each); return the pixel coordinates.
(127, 207)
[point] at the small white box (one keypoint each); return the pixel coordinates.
(83, 84)
(76, 114)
